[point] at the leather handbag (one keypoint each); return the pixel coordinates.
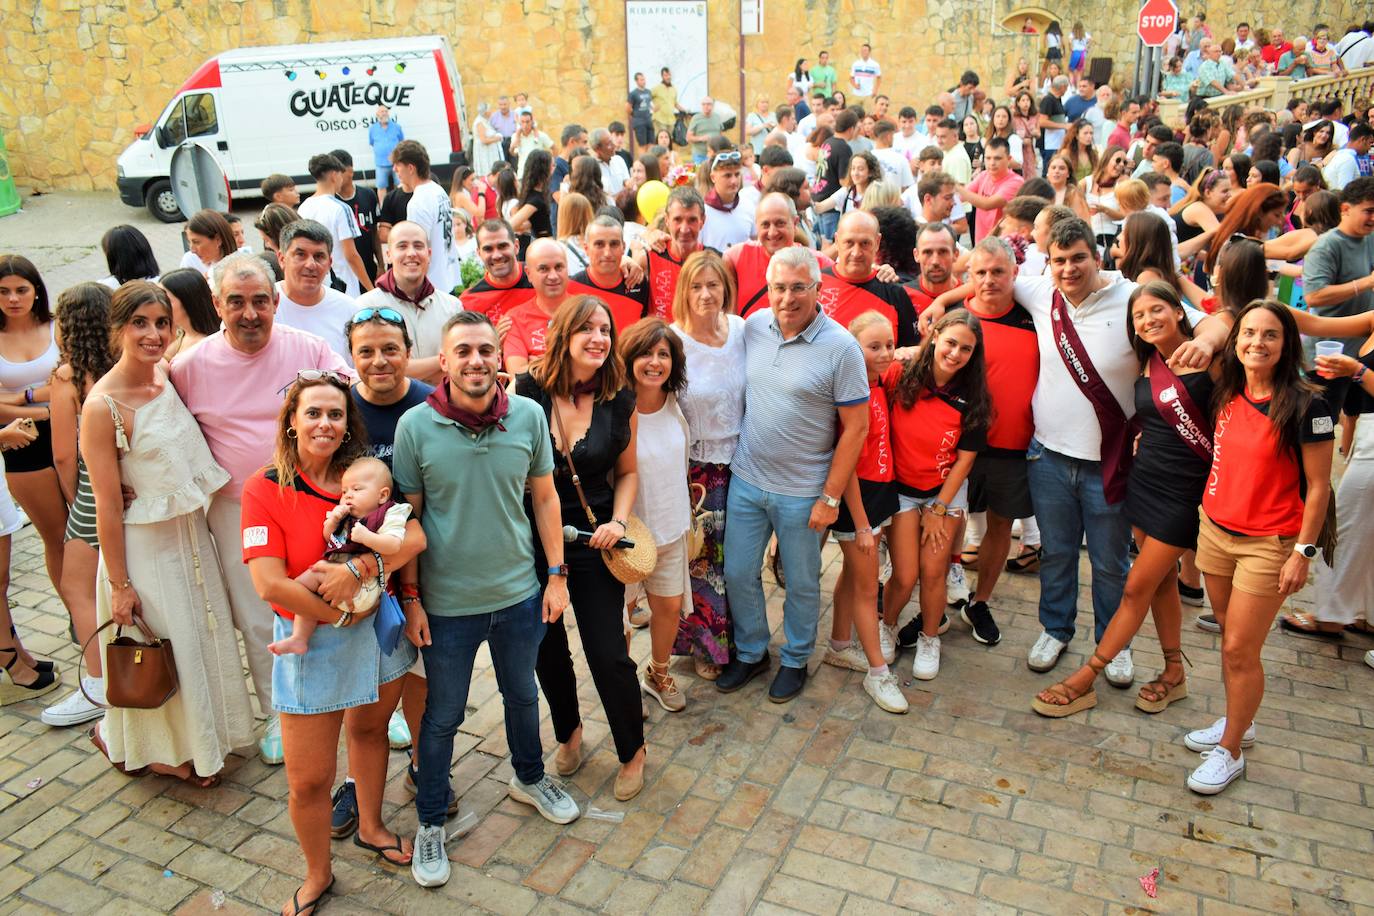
(138, 675)
(628, 564)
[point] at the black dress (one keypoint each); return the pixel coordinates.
(1167, 477)
(598, 598)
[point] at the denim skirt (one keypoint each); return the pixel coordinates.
(340, 669)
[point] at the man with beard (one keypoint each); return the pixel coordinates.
(684, 217)
(850, 287)
(463, 462)
(504, 285)
(935, 251)
(547, 261)
(605, 274)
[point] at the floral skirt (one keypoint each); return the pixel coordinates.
(705, 631)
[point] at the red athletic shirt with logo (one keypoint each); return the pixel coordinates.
(661, 278)
(285, 522)
(628, 304)
(845, 300)
(927, 436)
(750, 261)
(1013, 366)
(1254, 488)
(493, 300)
(920, 297)
(875, 461)
(529, 326)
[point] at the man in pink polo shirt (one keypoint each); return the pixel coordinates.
(991, 188)
(233, 383)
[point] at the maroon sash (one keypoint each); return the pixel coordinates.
(1176, 406)
(1118, 433)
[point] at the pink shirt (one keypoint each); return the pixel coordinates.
(984, 184)
(236, 396)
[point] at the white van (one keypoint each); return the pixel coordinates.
(268, 110)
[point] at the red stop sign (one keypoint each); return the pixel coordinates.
(1158, 19)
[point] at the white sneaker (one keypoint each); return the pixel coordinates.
(887, 642)
(429, 865)
(956, 587)
(1204, 739)
(1369, 658)
(885, 692)
(884, 561)
(851, 657)
(1044, 655)
(547, 797)
(1218, 770)
(269, 745)
(926, 664)
(1121, 670)
(75, 708)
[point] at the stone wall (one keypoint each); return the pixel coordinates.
(77, 75)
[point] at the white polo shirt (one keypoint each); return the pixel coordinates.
(1064, 418)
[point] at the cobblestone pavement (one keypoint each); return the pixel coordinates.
(971, 803)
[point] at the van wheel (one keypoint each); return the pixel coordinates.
(162, 203)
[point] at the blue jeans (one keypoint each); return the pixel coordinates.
(513, 635)
(753, 515)
(1068, 499)
(827, 223)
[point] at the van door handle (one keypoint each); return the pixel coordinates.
(223, 145)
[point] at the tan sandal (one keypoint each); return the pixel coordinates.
(659, 684)
(1164, 692)
(706, 670)
(1073, 703)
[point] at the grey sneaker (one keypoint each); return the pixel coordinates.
(548, 798)
(429, 865)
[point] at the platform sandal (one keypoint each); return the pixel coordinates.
(1164, 692)
(1074, 703)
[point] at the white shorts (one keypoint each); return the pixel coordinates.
(669, 578)
(958, 504)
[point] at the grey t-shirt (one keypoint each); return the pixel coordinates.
(791, 391)
(1340, 258)
(703, 125)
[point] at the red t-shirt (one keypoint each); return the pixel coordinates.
(845, 300)
(1271, 54)
(494, 301)
(662, 281)
(528, 328)
(927, 437)
(1254, 488)
(628, 304)
(285, 522)
(920, 297)
(875, 461)
(750, 261)
(1013, 367)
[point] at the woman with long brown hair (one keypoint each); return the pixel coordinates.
(579, 383)
(1099, 192)
(1254, 213)
(585, 179)
(209, 240)
(1147, 254)
(1059, 173)
(1079, 149)
(157, 560)
(1025, 123)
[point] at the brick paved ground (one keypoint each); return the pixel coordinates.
(970, 803)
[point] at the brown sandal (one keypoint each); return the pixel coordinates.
(706, 670)
(1164, 692)
(969, 556)
(1075, 703)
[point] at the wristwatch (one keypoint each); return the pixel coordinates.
(1307, 550)
(829, 500)
(560, 570)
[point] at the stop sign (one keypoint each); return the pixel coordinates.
(1157, 21)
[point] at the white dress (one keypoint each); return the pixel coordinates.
(172, 563)
(1346, 593)
(484, 155)
(713, 401)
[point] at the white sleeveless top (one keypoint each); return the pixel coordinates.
(31, 373)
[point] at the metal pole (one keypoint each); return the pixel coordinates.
(743, 114)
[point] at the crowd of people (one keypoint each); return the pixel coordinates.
(616, 386)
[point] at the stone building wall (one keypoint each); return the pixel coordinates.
(76, 76)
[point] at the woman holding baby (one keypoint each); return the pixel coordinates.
(157, 560)
(334, 672)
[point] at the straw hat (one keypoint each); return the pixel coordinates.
(633, 564)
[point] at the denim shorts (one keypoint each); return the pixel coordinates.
(958, 504)
(386, 178)
(341, 668)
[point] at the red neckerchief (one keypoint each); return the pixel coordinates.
(492, 416)
(387, 282)
(713, 200)
(591, 386)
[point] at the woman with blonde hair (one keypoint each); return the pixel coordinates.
(575, 214)
(713, 402)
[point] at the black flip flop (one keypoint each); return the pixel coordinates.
(300, 908)
(1286, 623)
(382, 851)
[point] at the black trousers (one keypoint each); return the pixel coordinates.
(598, 601)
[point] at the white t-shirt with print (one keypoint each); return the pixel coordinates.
(865, 73)
(429, 208)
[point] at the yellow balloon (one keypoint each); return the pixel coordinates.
(651, 198)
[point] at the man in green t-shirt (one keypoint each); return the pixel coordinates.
(463, 460)
(703, 126)
(823, 75)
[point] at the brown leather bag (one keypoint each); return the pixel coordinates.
(138, 675)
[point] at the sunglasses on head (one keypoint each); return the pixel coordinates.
(386, 313)
(726, 158)
(318, 375)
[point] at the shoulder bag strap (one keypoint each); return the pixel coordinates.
(81, 657)
(566, 449)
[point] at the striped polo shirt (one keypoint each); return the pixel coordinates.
(791, 393)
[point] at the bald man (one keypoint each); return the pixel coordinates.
(775, 224)
(851, 287)
(546, 264)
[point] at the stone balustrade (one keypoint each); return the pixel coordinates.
(1274, 92)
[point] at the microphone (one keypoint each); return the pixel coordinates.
(571, 534)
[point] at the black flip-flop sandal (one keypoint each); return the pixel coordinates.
(299, 908)
(382, 851)
(1294, 623)
(1027, 561)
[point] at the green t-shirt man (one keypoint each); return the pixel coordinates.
(823, 77)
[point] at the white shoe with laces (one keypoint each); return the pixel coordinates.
(1203, 740)
(885, 692)
(1121, 670)
(887, 642)
(75, 709)
(547, 797)
(851, 658)
(429, 865)
(956, 586)
(1217, 771)
(926, 664)
(1044, 655)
